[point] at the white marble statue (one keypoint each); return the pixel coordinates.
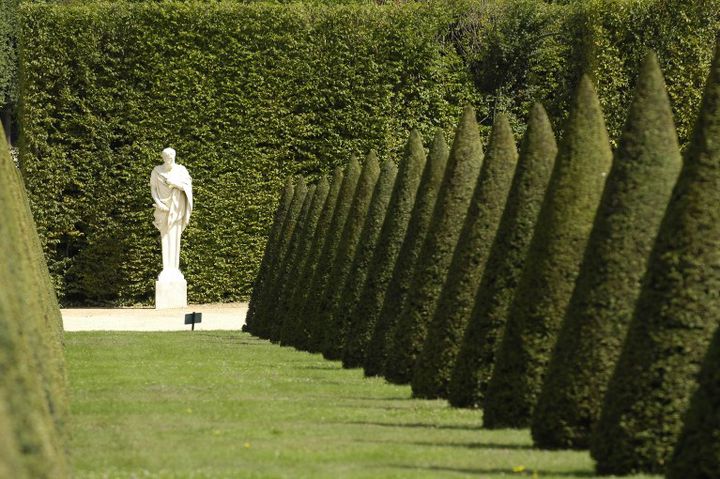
(171, 189)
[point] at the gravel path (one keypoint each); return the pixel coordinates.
(230, 316)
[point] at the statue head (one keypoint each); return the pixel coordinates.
(168, 156)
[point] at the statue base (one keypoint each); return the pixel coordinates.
(170, 290)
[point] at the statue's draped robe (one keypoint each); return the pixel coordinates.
(180, 203)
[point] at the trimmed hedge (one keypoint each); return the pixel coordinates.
(331, 333)
(267, 299)
(363, 317)
(475, 361)
(295, 330)
(269, 256)
(399, 286)
(282, 282)
(316, 287)
(553, 263)
(637, 192)
(676, 314)
(363, 257)
(247, 95)
(32, 378)
(293, 280)
(447, 326)
(697, 452)
(430, 275)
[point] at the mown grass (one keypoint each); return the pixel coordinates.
(227, 405)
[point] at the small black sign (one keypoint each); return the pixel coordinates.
(192, 318)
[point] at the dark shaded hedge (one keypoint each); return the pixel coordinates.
(433, 264)
(267, 298)
(294, 329)
(247, 95)
(293, 278)
(363, 317)
(282, 284)
(637, 192)
(553, 263)
(446, 328)
(32, 374)
(475, 361)
(330, 332)
(269, 256)
(364, 253)
(316, 286)
(676, 314)
(697, 452)
(399, 286)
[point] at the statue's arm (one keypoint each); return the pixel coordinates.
(154, 192)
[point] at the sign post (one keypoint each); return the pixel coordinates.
(192, 318)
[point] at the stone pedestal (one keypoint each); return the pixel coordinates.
(170, 290)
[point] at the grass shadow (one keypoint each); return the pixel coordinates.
(468, 445)
(483, 472)
(415, 425)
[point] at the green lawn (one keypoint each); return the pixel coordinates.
(226, 405)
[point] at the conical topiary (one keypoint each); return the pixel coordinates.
(644, 171)
(266, 298)
(295, 331)
(445, 331)
(697, 452)
(363, 316)
(277, 289)
(408, 255)
(293, 279)
(269, 256)
(553, 263)
(10, 463)
(309, 311)
(358, 272)
(29, 381)
(474, 364)
(463, 168)
(329, 334)
(676, 313)
(46, 341)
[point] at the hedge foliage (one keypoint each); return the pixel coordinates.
(354, 285)
(644, 172)
(32, 374)
(269, 256)
(282, 286)
(247, 94)
(475, 361)
(294, 329)
(526, 51)
(324, 265)
(399, 285)
(251, 93)
(329, 331)
(697, 452)
(281, 251)
(676, 314)
(455, 304)
(363, 318)
(553, 263)
(433, 264)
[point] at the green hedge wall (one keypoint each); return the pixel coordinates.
(247, 94)
(250, 92)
